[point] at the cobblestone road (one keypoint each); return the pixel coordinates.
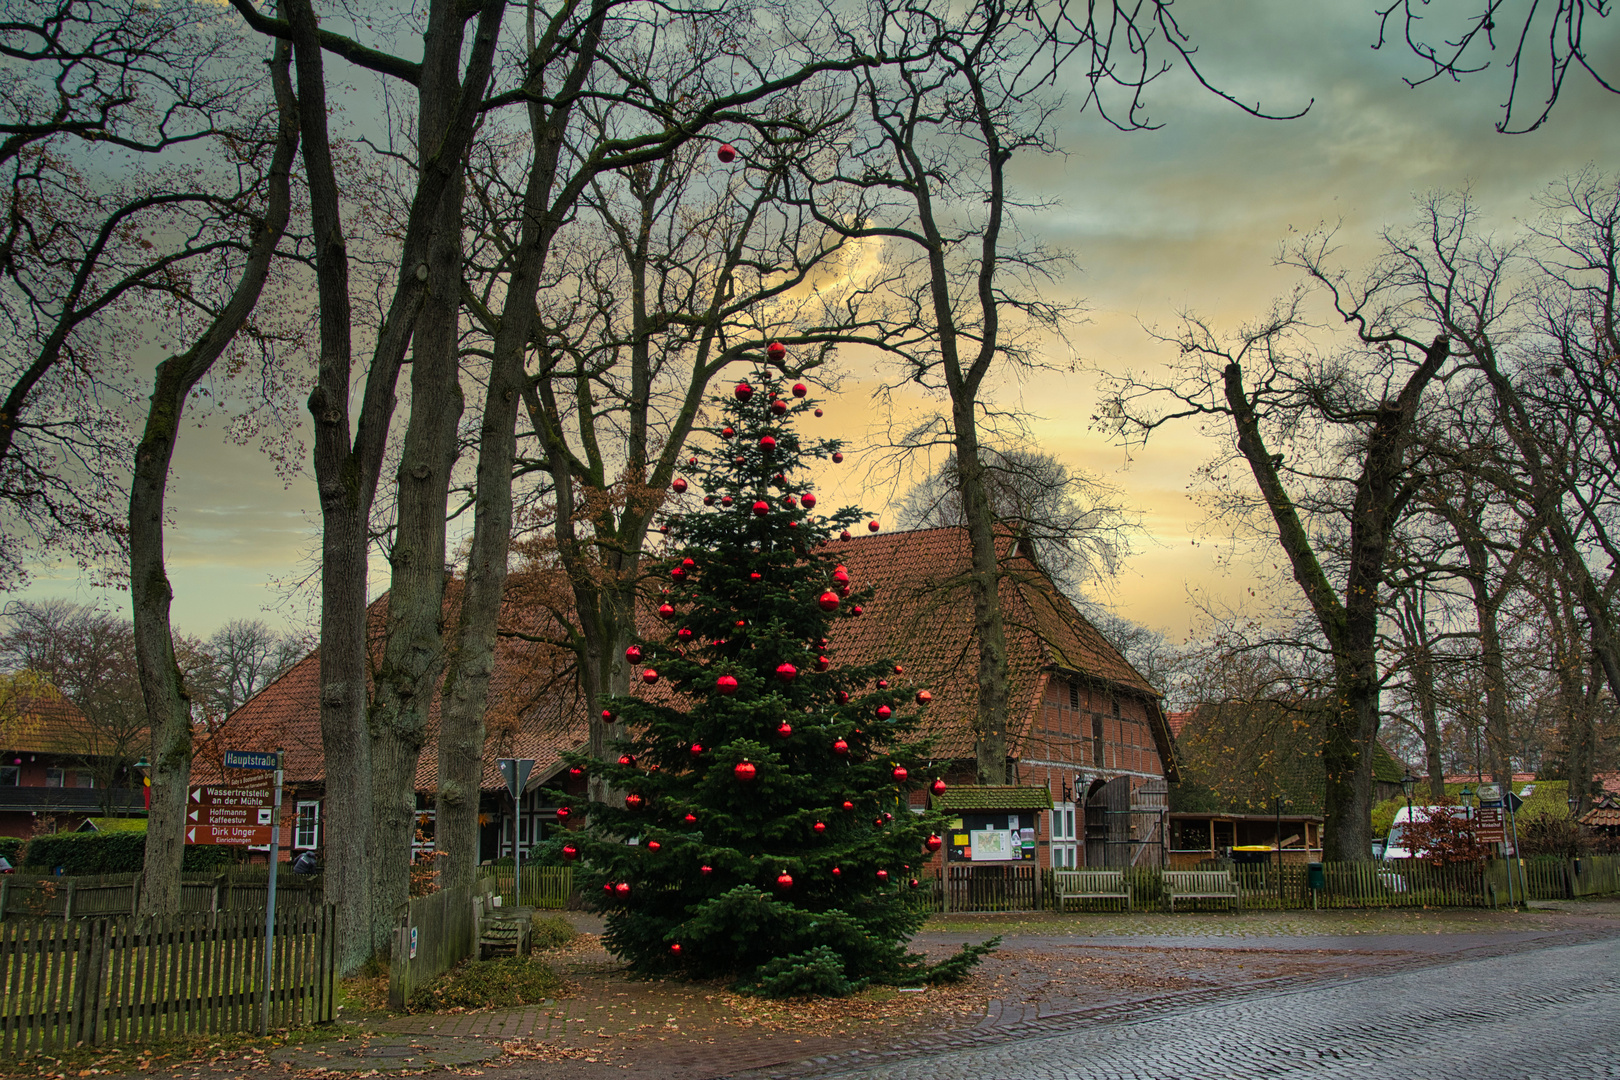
(1546, 1014)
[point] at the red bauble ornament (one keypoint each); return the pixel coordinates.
(684, 633)
(761, 508)
(840, 747)
(743, 391)
(627, 760)
(708, 500)
(675, 947)
(884, 712)
(790, 502)
(838, 458)
(877, 822)
(914, 883)
(883, 875)
(856, 610)
(570, 852)
(678, 573)
(809, 500)
(726, 433)
(575, 770)
(744, 771)
(664, 528)
(562, 813)
(697, 748)
(843, 590)
(666, 611)
(633, 801)
(691, 461)
(784, 729)
(766, 443)
(786, 671)
(633, 654)
(799, 389)
(836, 872)
(649, 676)
(690, 819)
(828, 601)
(679, 486)
(883, 684)
(871, 526)
(844, 535)
(622, 888)
(933, 844)
(924, 697)
(822, 663)
(898, 670)
(841, 576)
(819, 827)
(776, 350)
(727, 153)
(607, 714)
(778, 406)
(607, 887)
(725, 500)
(754, 575)
(726, 684)
(819, 413)
(848, 805)
(705, 870)
(689, 562)
(937, 787)
(842, 697)
(653, 845)
(784, 881)
(900, 774)
(779, 480)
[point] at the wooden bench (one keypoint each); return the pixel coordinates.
(504, 932)
(1201, 885)
(1090, 885)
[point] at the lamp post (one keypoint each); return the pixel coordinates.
(1408, 782)
(144, 767)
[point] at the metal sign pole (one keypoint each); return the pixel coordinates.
(270, 902)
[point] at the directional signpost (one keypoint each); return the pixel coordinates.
(515, 771)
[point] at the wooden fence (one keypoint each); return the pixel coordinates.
(29, 897)
(1407, 883)
(550, 887)
(99, 981)
(436, 932)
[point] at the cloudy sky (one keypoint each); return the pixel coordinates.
(1187, 217)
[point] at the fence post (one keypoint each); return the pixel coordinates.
(67, 904)
(5, 894)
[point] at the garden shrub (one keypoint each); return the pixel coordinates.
(550, 931)
(480, 984)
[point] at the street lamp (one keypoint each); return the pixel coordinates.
(1408, 782)
(144, 767)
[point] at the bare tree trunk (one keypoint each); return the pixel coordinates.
(168, 701)
(990, 725)
(413, 653)
(1413, 616)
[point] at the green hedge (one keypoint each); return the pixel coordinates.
(111, 853)
(11, 849)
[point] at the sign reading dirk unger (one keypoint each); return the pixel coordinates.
(232, 835)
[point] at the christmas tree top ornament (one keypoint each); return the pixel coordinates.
(734, 807)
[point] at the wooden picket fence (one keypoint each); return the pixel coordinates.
(100, 981)
(436, 932)
(80, 896)
(549, 887)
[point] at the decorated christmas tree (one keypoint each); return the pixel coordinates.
(762, 828)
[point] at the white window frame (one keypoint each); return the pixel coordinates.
(1064, 842)
(55, 777)
(307, 839)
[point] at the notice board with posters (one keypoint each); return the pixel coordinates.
(988, 836)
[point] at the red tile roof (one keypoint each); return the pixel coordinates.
(40, 720)
(921, 617)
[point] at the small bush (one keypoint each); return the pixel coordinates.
(484, 984)
(955, 968)
(816, 973)
(550, 931)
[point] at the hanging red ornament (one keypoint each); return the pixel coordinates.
(679, 486)
(786, 671)
(809, 500)
(726, 684)
(883, 684)
(562, 813)
(871, 526)
(622, 888)
(726, 433)
(627, 760)
(841, 576)
(696, 749)
(705, 870)
(744, 771)
(666, 611)
(924, 697)
(799, 389)
(664, 529)
(848, 805)
(675, 947)
(838, 458)
(689, 562)
(743, 391)
(883, 875)
(819, 413)
(684, 633)
(633, 801)
(708, 500)
(690, 819)
(570, 852)
(933, 843)
(725, 500)
(776, 350)
(842, 697)
(837, 872)
(937, 787)
(840, 747)
(754, 575)
(844, 535)
(877, 822)
(828, 601)
(898, 670)
(691, 460)
(607, 887)
(727, 153)
(649, 676)
(607, 714)
(761, 508)
(778, 406)
(742, 622)
(784, 880)
(884, 712)
(779, 480)
(766, 443)
(915, 883)
(790, 502)
(856, 610)
(819, 827)
(900, 774)
(887, 817)
(633, 654)
(653, 845)
(678, 573)
(784, 729)
(575, 770)
(843, 590)
(822, 663)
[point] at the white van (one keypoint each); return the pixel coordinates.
(1395, 844)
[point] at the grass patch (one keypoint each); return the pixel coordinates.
(551, 931)
(487, 984)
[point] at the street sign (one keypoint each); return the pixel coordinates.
(1488, 825)
(252, 759)
(230, 815)
(515, 771)
(230, 795)
(1513, 801)
(232, 835)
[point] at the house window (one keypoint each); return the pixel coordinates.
(1064, 850)
(10, 775)
(55, 777)
(84, 779)
(307, 832)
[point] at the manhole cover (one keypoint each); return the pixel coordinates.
(388, 1052)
